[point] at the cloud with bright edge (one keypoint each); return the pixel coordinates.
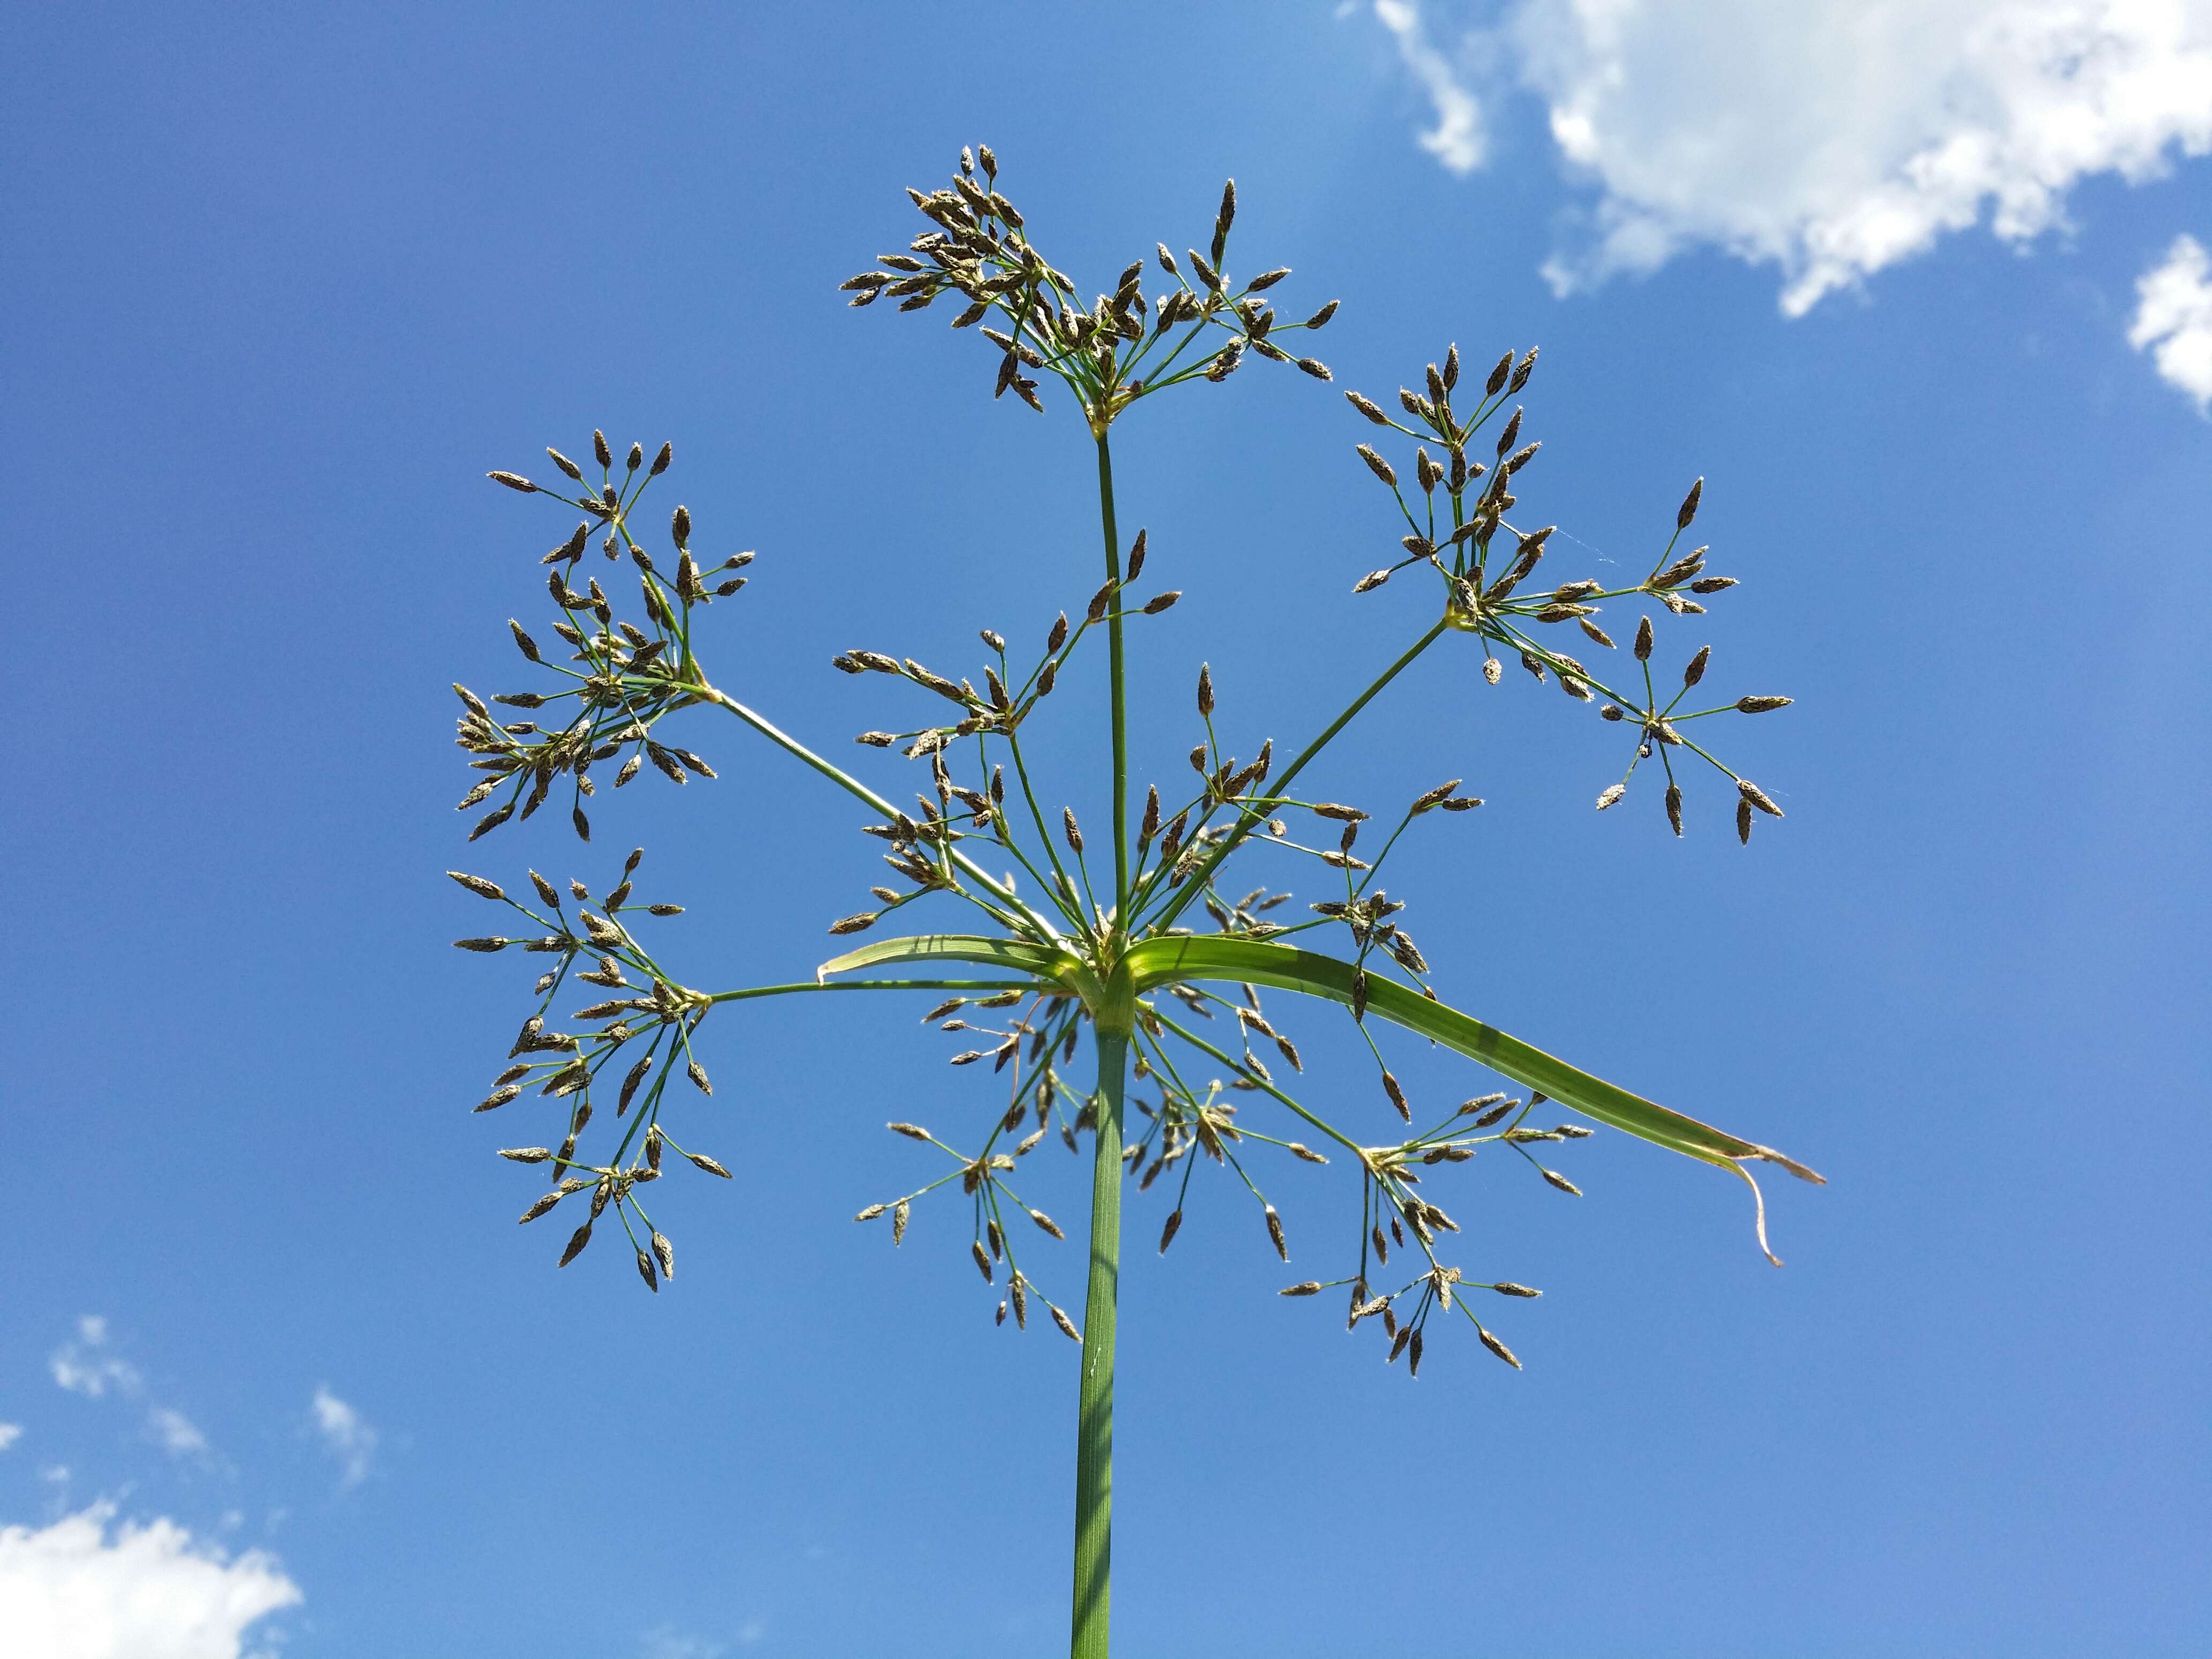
(1830, 138)
(70, 1591)
(84, 1367)
(2173, 318)
(1456, 140)
(9, 1434)
(346, 1435)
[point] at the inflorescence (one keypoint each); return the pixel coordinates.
(972, 738)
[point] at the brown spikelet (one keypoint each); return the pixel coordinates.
(576, 1242)
(1755, 796)
(1378, 466)
(1391, 1087)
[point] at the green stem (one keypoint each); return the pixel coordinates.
(1113, 671)
(851, 785)
(1094, 1434)
(1257, 812)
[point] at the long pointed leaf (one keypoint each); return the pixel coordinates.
(1161, 961)
(1057, 966)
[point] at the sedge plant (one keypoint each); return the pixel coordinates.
(1127, 939)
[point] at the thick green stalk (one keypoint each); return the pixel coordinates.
(1094, 1432)
(1113, 670)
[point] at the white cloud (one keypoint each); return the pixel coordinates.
(175, 1433)
(82, 1368)
(667, 1643)
(1832, 139)
(349, 1439)
(9, 1434)
(1456, 140)
(71, 1592)
(2174, 317)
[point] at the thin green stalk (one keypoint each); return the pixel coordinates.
(1114, 675)
(1204, 874)
(844, 780)
(1094, 1432)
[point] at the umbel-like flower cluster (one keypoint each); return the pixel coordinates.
(1124, 345)
(625, 677)
(652, 1027)
(1098, 929)
(1455, 523)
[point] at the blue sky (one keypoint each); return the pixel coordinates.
(1911, 293)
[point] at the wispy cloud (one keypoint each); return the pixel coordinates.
(346, 1435)
(666, 1643)
(2173, 319)
(1457, 138)
(84, 1366)
(70, 1591)
(9, 1434)
(1829, 138)
(175, 1433)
